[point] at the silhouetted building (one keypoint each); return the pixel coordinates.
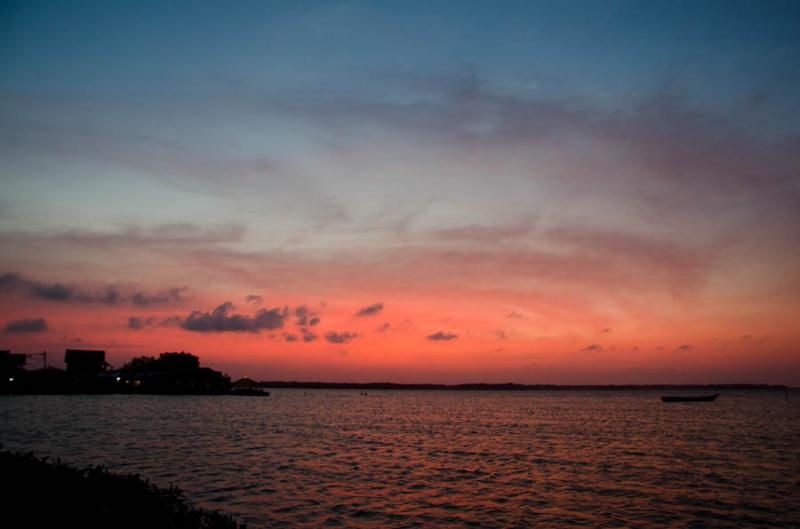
(10, 362)
(85, 361)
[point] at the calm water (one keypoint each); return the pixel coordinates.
(441, 459)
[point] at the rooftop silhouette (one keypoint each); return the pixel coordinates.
(88, 372)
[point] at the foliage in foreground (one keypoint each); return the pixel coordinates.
(42, 493)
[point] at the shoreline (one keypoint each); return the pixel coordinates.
(93, 497)
(517, 387)
(388, 386)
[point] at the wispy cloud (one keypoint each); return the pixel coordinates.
(441, 336)
(340, 337)
(370, 310)
(18, 284)
(28, 325)
(133, 237)
(140, 322)
(308, 336)
(486, 234)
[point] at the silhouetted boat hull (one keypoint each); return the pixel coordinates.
(251, 392)
(704, 398)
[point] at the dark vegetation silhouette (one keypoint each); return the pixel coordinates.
(179, 373)
(176, 373)
(165, 362)
(172, 373)
(42, 493)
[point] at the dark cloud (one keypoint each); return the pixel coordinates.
(305, 316)
(135, 322)
(13, 283)
(221, 319)
(606, 330)
(52, 292)
(27, 325)
(224, 319)
(370, 310)
(683, 347)
(301, 313)
(140, 322)
(170, 321)
(254, 298)
(441, 336)
(308, 336)
(593, 347)
(383, 328)
(340, 337)
(143, 299)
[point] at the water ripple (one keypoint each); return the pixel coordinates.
(440, 459)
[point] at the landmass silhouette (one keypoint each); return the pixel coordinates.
(180, 373)
(88, 372)
(94, 498)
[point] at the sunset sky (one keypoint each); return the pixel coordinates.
(556, 192)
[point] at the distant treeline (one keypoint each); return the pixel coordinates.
(513, 387)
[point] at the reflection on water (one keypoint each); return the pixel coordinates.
(440, 459)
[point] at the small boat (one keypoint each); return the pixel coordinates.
(704, 398)
(250, 391)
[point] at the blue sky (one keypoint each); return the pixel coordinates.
(345, 149)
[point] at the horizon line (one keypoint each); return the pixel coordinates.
(292, 384)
